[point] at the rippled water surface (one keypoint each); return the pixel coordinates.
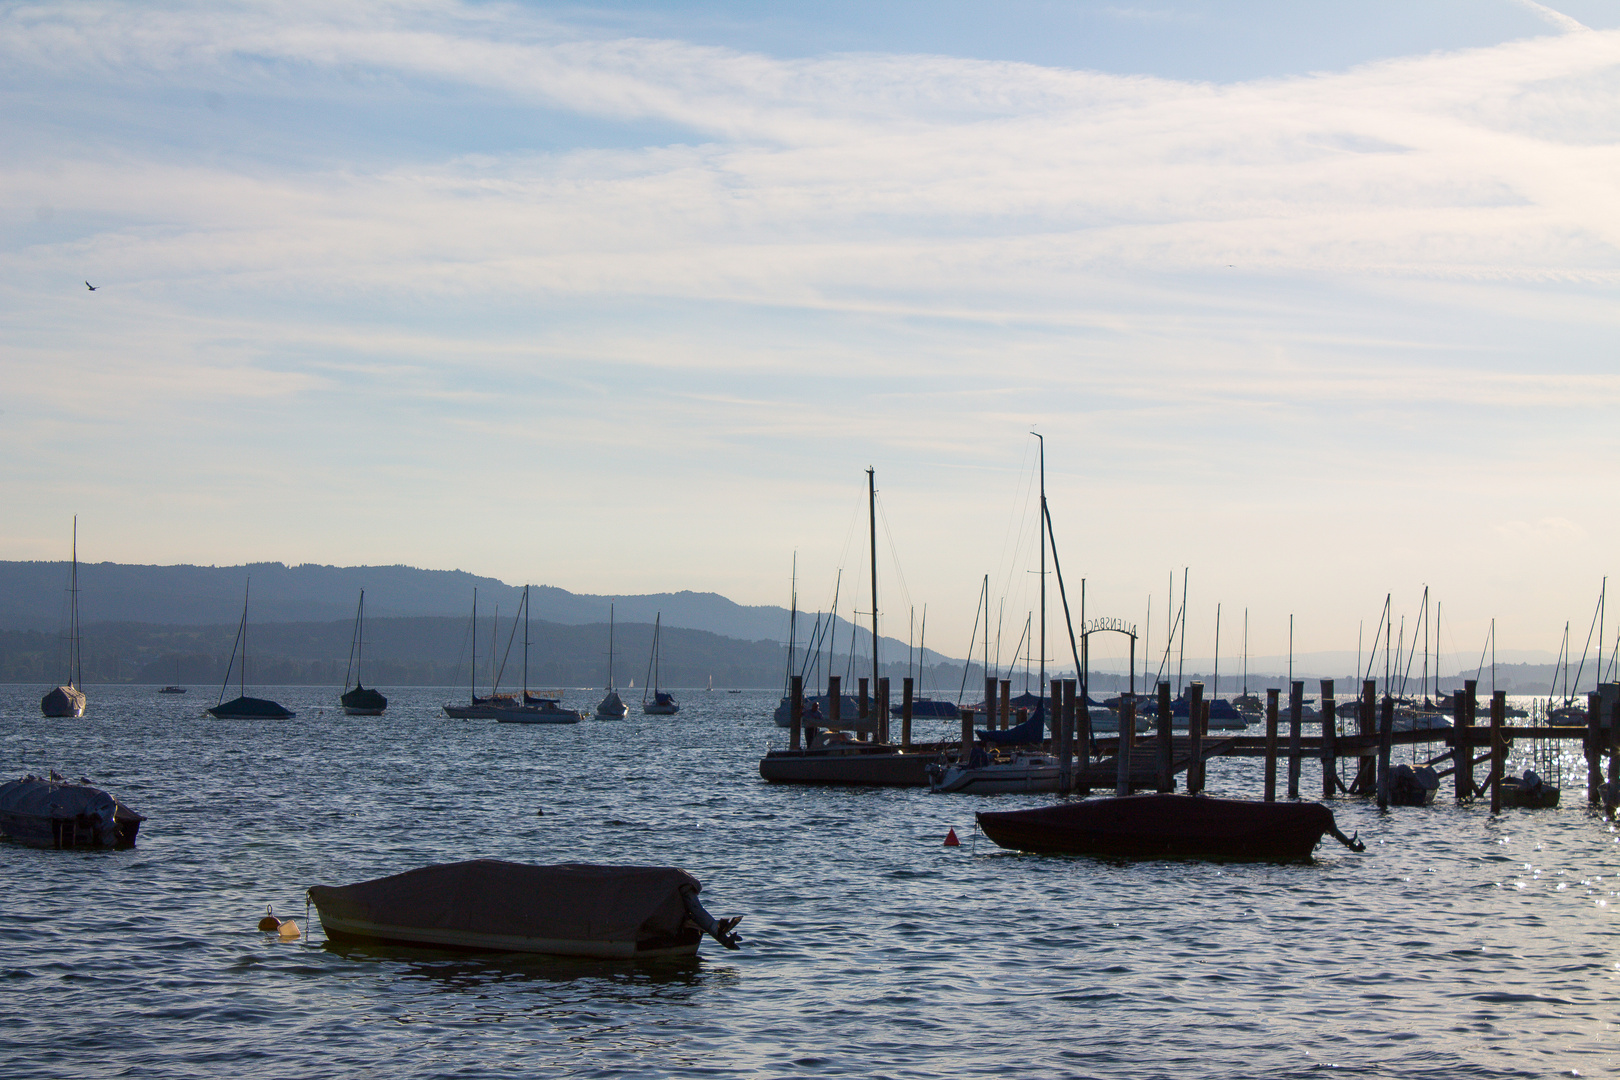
(1458, 945)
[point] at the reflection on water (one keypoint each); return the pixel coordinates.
(1457, 945)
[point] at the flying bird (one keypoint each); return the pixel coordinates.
(89, 286)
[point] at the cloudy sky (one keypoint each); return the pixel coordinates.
(1316, 300)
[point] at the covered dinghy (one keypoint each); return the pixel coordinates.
(611, 912)
(1032, 730)
(54, 814)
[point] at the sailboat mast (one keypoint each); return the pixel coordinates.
(1245, 652)
(360, 637)
(610, 647)
(1043, 567)
(871, 522)
(472, 677)
(525, 645)
(243, 673)
(73, 586)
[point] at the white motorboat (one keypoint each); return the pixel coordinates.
(1022, 770)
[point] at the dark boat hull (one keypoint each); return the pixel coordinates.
(1165, 827)
(48, 814)
(870, 766)
(363, 702)
(63, 702)
(251, 708)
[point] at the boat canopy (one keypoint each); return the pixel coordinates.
(1032, 730)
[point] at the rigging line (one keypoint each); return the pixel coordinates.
(972, 638)
(894, 554)
(1590, 631)
(1422, 617)
(1372, 655)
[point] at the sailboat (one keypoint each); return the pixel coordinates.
(661, 704)
(360, 701)
(533, 708)
(244, 707)
(68, 700)
(174, 687)
(835, 758)
(611, 707)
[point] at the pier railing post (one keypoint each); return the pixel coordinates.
(1074, 707)
(835, 701)
(1498, 748)
(1271, 745)
(905, 711)
(865, 713)
(1386, 730)
(1592, 746)
(1006, 704)
(796, 711)
(1330, 740)
(1127, 731)
(1367, 727)
(1469, 704)
(1195, 740)
(1296, 734)
(1162, 719)
(881, 729)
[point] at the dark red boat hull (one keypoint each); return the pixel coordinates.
(1165, 827)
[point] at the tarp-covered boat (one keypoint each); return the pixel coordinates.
(1168, 826)
(251, 708)
(610, 912)
(362, 701)
(54, 814)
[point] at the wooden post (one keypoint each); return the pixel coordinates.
(1386, 730)
(1079, 721)
(989, 703)
(1367, 716)
(905, 711)
(1203, 735)
(1296, 734)
(1006, 703)
(1592, 744)
(835, 701)
(1463, 753)
(1064, 737)
(1127, 727)
(967, 735)
(1330, 740)
(1469, 705)
(1498, 748)
(796, 711)
(865, 709)
(1195, 740)
(881, 732)
(1167, 775)
(1611, 724)
(1271, 744)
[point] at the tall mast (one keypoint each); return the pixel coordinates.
(73, 585)
(871, 521)
(242, 675)
(525, 645)
(1217, 691)
(472, 678)
(360, 637)
(1043, 567)
(610, 646)
(1181, 658)
(1245, 652)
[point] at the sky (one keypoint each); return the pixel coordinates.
(1313, 302)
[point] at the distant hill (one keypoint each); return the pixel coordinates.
(33, 596)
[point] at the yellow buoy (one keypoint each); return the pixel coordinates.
(288, 930)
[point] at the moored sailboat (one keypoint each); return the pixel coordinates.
(244, 707)
(68, 700)
(662, 704)
(611, 707)
(360, 701)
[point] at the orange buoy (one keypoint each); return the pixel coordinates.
(951, 840)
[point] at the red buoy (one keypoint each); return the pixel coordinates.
(951, 840)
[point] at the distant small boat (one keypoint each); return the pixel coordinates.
(1168, 827)
(51, 813)
(243, 707)
(360, 701)
(607, 912)
(662, 704)
(67, 701)
(172, 688)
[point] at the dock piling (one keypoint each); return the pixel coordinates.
(1330, 738)
(1127, 733)
(1386, 731)
(1167, 776)
(1592, 746)
(1195, 740)
(1498, 748)
(1367, 728)
(881, 728)
(835, 701)
(796, 712)
(1079, 724)
(905, 711)
(1271, 744)
(1296, 734)
(1006, 703)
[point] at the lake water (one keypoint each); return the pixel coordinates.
(1457, 945)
